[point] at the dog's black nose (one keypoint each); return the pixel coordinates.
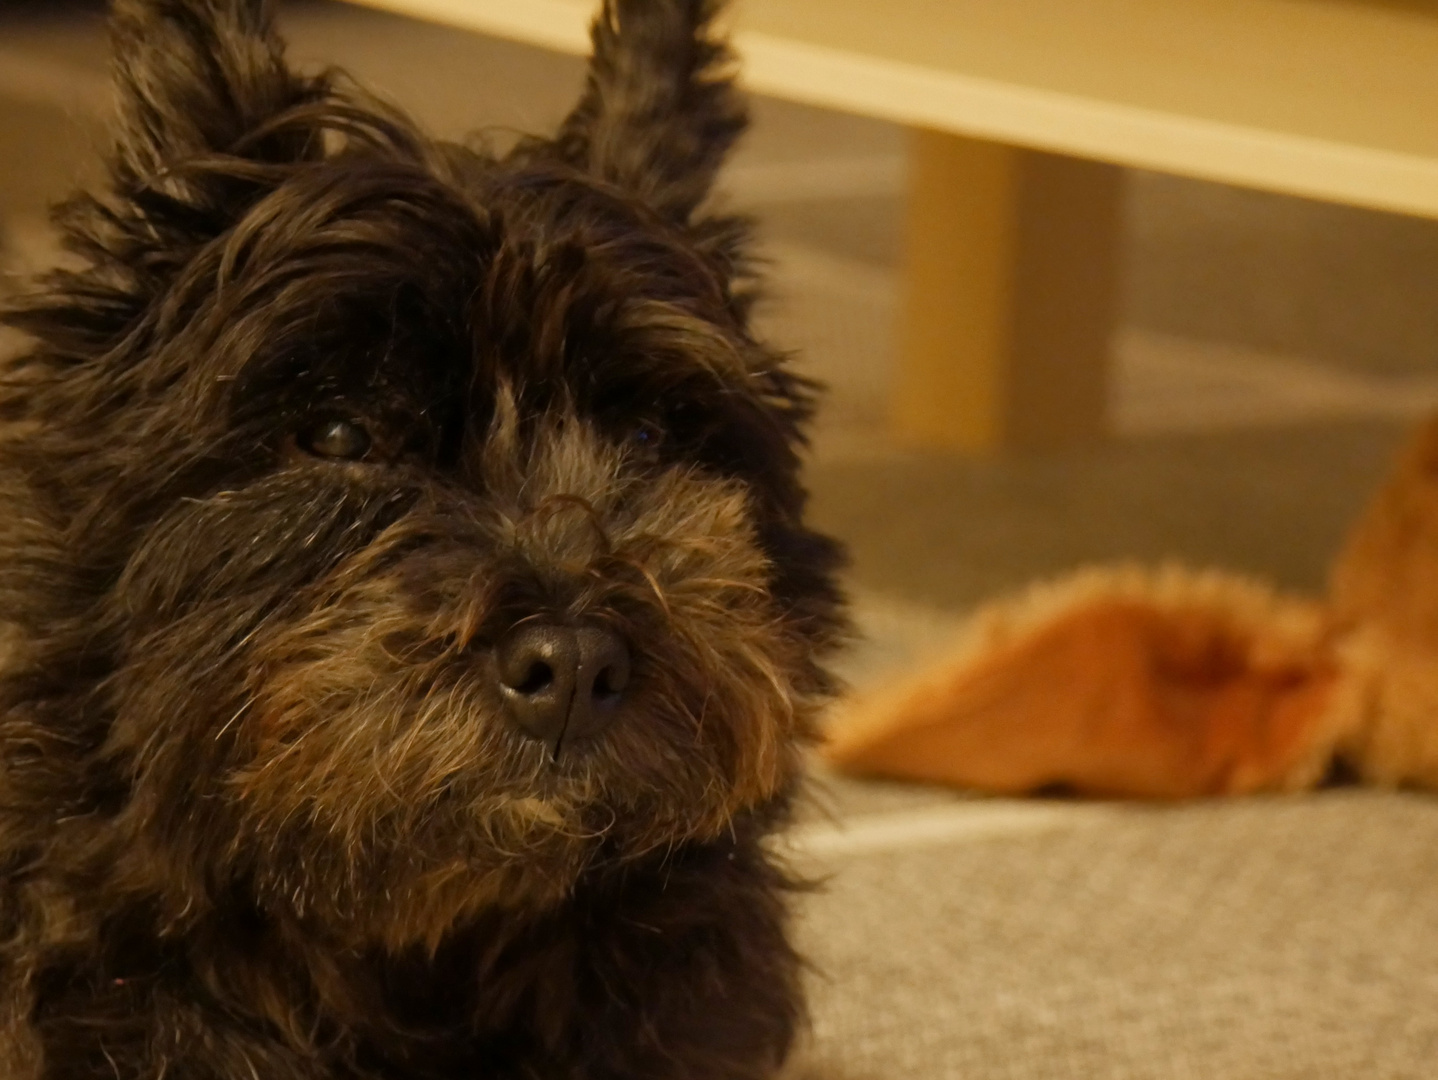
(562, 682)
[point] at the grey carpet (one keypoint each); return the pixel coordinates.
(946, 532)
(1283, 939)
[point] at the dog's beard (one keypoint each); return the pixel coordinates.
(346, 736)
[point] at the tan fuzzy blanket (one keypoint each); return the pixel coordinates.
(1173, 683)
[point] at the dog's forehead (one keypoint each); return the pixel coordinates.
(368, 272)
(571, 245)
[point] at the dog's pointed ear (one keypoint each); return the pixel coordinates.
(195, 77)
(660, 110)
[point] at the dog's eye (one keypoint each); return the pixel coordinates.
(341, 439)
(648, 436)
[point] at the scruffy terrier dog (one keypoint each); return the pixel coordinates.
(414, 628)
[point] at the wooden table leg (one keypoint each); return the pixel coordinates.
(1011, 293)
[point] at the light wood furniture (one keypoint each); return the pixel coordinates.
(1023, 111)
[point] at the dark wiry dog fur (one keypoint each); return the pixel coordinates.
(262, 815)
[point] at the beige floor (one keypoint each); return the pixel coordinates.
(1271, 354)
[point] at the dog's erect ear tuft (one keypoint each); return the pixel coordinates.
(660, 110)
(197, 77)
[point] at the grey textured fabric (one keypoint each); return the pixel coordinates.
(1261, 939)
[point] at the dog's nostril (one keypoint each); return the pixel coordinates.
(536, 657)
(605, 685)
(536, 678)
(610, 660)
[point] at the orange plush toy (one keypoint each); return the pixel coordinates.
(1172, 683)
